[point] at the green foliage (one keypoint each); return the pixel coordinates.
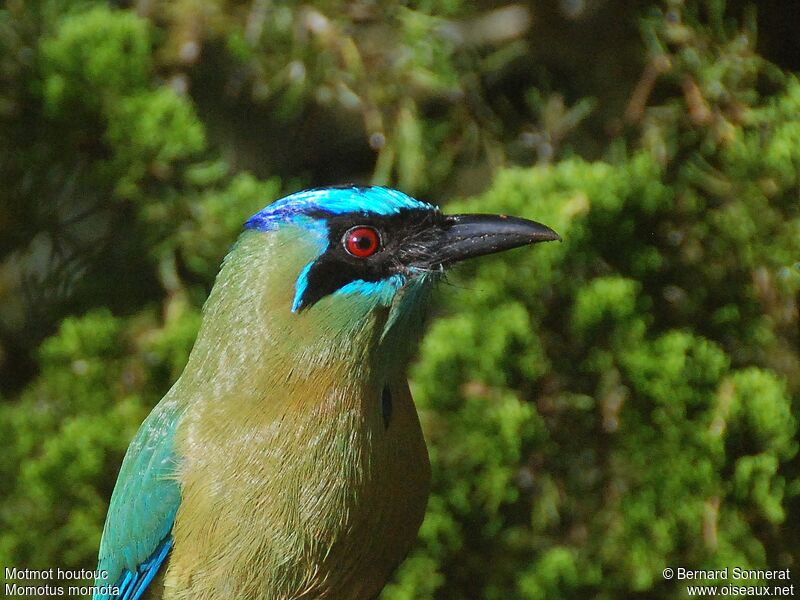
(596, 409)
(661, 442)
(151, 130)
(96, 58)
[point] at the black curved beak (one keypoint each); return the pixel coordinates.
(467, 236)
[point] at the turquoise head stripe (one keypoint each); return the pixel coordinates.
(373, 200)
(382, 291)
(300, 286)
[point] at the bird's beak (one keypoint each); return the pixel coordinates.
(467, 236)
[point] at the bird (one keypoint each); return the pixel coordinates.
(287, 461)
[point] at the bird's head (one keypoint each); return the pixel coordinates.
(375, 245)
(343, 271)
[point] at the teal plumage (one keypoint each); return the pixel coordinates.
(287, 461)
(142, 511)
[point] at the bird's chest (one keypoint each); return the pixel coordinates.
(309, 504)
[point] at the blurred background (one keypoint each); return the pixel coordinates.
(596, 410)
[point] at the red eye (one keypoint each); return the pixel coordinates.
(362, 241)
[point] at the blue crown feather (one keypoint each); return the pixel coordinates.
(373, 200)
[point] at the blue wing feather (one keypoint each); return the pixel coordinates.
(136, 537)
(133, 585)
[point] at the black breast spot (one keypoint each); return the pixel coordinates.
(386, 406)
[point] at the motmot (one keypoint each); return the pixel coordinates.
(287, 461)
